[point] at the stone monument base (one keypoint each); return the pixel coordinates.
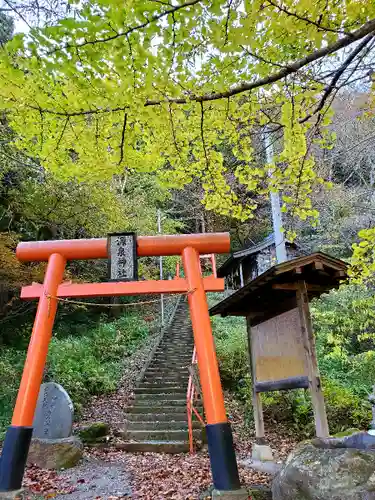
(55, 453)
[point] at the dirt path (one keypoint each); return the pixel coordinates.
(96, 479)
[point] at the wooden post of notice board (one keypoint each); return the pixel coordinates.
(256, 398)
(320, 416)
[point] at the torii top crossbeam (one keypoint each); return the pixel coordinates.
(149, 246)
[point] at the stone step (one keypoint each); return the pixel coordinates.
(165, 381)
(173, 435)
(177, 349)
(166, 364)
(143, 424)
(170, 417)
(165, 372)
(157, 407)
(159, 390)
(161, 383)
(160, 446)
(171, 357)
(173, 354)
(147, 398)
(179, 378)
(172, 378)
(174, 343)
(171, 361)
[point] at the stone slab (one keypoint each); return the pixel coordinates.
(54, 413)
(241, 494)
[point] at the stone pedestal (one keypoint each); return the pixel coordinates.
(55, 453)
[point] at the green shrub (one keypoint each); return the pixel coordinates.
(11, 364)
(231, 346)
(85, 365)
(91, 365)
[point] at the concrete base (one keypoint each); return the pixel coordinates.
(241, 494)
(11, 495)
(266, 467)
(262, 452)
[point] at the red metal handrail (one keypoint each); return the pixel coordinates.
(190, 397)
(210, 256)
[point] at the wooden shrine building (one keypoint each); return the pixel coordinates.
(281, 341)
(246, 264)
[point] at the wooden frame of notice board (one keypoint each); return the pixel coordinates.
(281, 342)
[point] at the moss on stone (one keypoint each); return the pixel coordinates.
(347, 432)
(93, 432)
(260, 494)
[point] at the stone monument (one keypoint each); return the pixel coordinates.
(53, 446)
(54, 413)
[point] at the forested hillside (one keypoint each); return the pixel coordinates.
(196, 111)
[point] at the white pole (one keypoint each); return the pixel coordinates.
(161, 272)
(276, 207)
(241, 276)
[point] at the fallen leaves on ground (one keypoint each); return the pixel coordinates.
(46, 483)
(174, 477)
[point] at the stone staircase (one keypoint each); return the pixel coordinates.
(157, 421)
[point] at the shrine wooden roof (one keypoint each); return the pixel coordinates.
(236, 257)
(274, 291)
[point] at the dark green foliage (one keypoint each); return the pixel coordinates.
(231, 347)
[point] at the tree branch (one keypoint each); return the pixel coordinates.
(202, 136)
(227, 21)
(262, 59)
(305, 19)
(345, 41)
(123, 138)
(71, 114)
(129, 30)
(173, 131)
(11, 7)
(328, 90)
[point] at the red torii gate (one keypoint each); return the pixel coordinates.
(57, 253)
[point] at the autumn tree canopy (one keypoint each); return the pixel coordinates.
(177, 87)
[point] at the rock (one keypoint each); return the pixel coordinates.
(55, 453)
(359, 441)
(312, 473)
(54, 413)
(94, 432)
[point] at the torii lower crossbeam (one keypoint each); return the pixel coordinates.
(118, 289)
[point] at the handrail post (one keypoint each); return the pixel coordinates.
(219, 434)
